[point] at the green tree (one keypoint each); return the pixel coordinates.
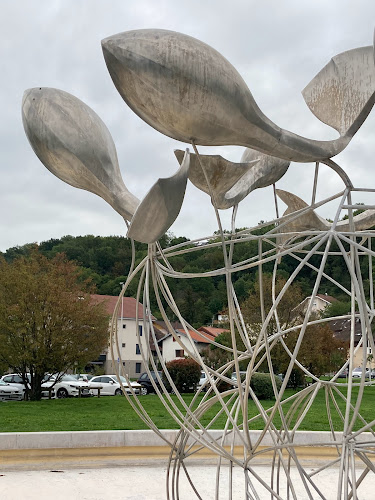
(47, 322)
(319, 352)
(338, 308)
(251, 307)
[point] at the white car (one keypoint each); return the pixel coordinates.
(82, 376)
(110, 385)
(67, 386)
(202, 380)
(10, 392)
(357, 373)
(16, 380)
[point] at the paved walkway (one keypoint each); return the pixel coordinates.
(142, 480)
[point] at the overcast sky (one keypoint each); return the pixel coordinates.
(277, 46)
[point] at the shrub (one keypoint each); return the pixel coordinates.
(261, 384)
(185, 374)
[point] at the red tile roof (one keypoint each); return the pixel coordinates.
(326, 297)
(129, 306)
(206, 339)
(212, 330)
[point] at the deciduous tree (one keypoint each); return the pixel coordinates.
(47, 322)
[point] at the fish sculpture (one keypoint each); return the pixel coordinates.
(161, 206)
(74, 144)
(231, 182)
(187, 90)
(311, 221)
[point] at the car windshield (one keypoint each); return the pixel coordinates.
(68, 378)
(65, 378)
(3, 383)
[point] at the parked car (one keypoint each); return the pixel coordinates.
(357, 373)
(242, 375)
(83, 376)
(203, 379)
(146, 384)
(110, 386)
(10, 392)
(67, 386)
(343, 373)
(16, 380)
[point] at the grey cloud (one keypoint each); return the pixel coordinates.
(278, 47)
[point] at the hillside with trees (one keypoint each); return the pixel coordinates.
(106, 261)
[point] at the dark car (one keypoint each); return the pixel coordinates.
(146, 383)
(343, 373)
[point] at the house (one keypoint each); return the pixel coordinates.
(131, 341)
(342, 331)
(173, 349)
(320, 302)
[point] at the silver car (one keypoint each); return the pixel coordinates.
(357, 373)
(10, 392)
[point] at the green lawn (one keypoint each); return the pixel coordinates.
(108, 413)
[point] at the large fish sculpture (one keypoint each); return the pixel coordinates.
(187, 90)
(74, 144)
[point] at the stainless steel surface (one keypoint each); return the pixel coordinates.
(232, 182)
(161, 206)
(222, 175)
(310, 220)
(187, 90)
(74, 144)
(342, 93)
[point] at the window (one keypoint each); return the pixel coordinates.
(123, 344)
(138, 367)
(124, 325)
(137, 349)
(140, 330)
(179, 353)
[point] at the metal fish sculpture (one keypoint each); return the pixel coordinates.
(161, 206)
(231, 182)
(74, 144)
(312, 221)
(187, 90)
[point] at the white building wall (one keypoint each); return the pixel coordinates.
(130, 355)
(170, 347)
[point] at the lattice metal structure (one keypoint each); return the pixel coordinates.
(187, 90)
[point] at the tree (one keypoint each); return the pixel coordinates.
(251, 307)
(319, 352)
(337, 308)
(47, 322)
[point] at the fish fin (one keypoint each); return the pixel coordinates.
(342, 94)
